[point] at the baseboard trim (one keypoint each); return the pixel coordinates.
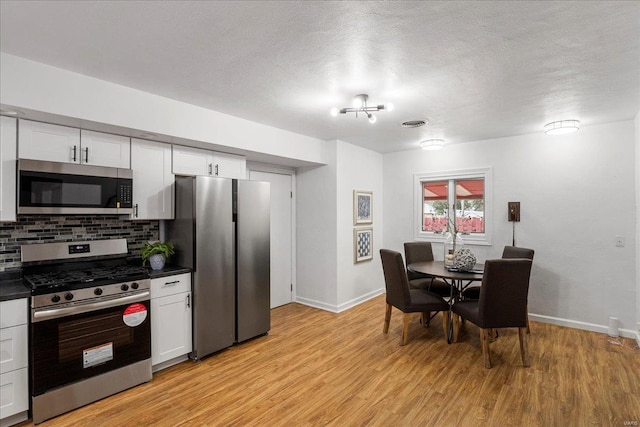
(604, 329)
(638, 338)
(342, 307)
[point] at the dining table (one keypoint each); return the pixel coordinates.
(457, 279)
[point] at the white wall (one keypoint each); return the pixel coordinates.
(316, 237)
(637, 151)
(326, 274)
(358, 169)
(34, 86)
(577, 193)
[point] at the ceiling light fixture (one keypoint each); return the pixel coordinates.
(360, 106)
(561, 127)
(432, 144)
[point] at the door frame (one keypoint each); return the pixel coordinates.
(283, 170)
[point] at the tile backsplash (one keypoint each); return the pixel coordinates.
(39, 229)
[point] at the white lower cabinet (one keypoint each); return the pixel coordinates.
(170, 320)
(14, 351)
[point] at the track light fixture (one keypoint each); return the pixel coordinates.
(360, 106)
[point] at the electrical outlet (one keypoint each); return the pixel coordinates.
(619, 241)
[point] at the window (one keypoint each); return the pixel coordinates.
(458, 197)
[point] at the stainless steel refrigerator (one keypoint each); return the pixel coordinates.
(221, 231)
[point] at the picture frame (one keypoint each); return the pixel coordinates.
(362, 207)
(362, 244)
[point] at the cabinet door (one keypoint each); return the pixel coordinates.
(103, 149)
(8, 151)
(229, 166)
(53, 143)
(192, 161)
(15, 392)
(170, 327)
(152, 180)
(13, 348)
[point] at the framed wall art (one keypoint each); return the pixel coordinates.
(362, 207)
(362, 244)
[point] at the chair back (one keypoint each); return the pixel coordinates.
(395, 278)
(503, 294)
(515, 252)
(417, 252)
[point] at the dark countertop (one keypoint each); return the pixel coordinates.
(168, 270)
(12, 287)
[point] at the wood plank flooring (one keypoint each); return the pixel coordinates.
(322, 369)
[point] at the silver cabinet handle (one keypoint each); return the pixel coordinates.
(135, 210)
(188, 300)
(175, 282)
(216, 170)
(210, 168)
(74, 152)
(86, 156)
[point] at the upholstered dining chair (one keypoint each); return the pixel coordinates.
(508, 252)
(502, 303)
(407, 300)
(420, 252)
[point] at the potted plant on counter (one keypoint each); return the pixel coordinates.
(156, 253)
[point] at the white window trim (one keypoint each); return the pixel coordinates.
(478, 239)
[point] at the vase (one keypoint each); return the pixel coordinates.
(156, 261)
(452, 243)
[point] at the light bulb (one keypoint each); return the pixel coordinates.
(372, 118)
(334, 111)
(388, 107)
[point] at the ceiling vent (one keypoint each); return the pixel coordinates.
(414, 123)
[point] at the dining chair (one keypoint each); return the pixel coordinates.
(421, 252)
(405, 299)
(509, 252)
(502, 303)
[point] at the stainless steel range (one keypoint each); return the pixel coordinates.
(90, 323)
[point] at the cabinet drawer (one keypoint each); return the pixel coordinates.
(170, 285)
(13, 348)
(14, 312)
(15, 393)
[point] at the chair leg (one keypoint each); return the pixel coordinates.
(524, 349)
(406, 317)
(528, 328)
(445, 324)
(456, 327)
(387, 319)
(484, 341)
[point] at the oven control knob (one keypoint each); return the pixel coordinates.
(97, 291)
(124, 287)
(55, 298)
(134, 285)
(68, 296)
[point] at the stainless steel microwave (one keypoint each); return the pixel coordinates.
(66, 188)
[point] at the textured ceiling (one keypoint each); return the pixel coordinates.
(475, 70)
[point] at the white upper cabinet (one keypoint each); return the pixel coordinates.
(103, 149)
(8, 150)
(43, 141)
(152, 180)
(194, 161)
(229, 166)
(53, 143)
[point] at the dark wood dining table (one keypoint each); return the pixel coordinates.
(458, 280)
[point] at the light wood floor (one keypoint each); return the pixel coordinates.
(318, 368)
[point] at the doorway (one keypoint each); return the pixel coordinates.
(281, 234)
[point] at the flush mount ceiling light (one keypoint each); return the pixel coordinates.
(561, 127)
(360, 106)
(414, 123)
(432, 144)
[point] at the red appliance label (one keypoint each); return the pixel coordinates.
(134, 315)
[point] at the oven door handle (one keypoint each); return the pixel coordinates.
(47, 314)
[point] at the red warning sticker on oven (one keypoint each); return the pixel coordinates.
(134, 315)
